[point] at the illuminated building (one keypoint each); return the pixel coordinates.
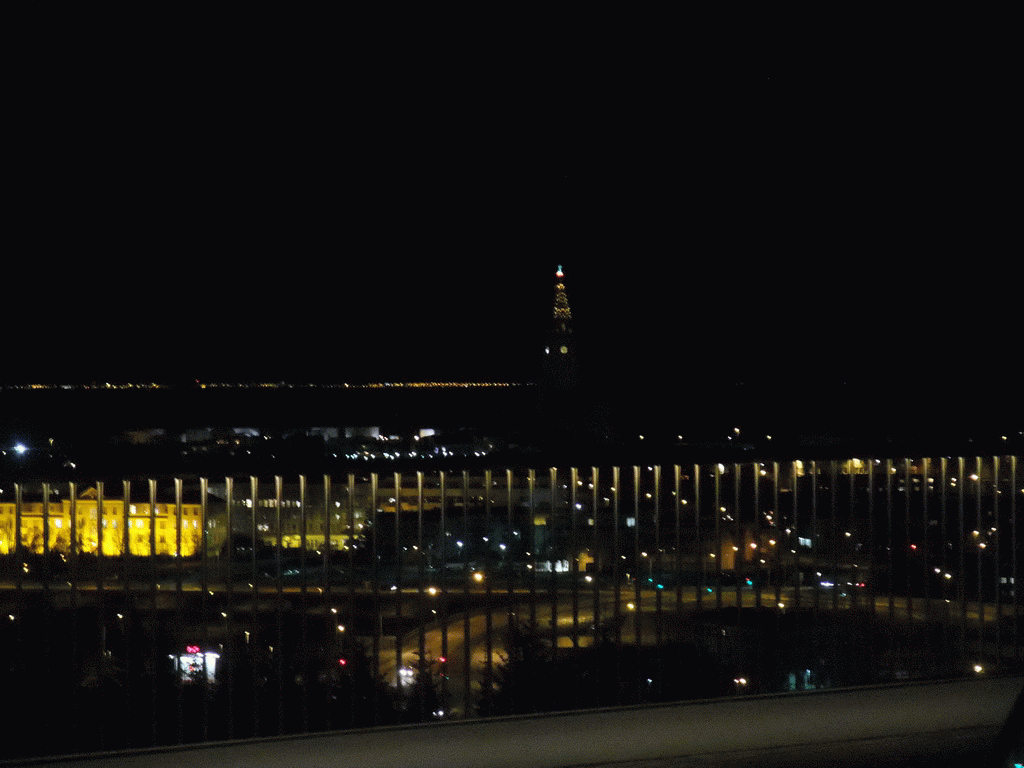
(140, 529)
(571, 413)
(289, 521)
(560, 349)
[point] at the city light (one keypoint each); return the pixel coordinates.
(191, 664)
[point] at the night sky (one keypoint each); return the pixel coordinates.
(258, 199)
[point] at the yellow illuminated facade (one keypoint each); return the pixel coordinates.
(168, 528)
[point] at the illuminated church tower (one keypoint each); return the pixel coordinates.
(560, 370)
(573, 417)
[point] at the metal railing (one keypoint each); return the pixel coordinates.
(286, 605)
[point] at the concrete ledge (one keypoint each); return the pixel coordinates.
(655, 735)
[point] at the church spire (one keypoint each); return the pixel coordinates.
(562, 314)
(559, 353)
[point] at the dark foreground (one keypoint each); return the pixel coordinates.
(933, 724)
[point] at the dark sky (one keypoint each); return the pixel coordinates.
(242, 198)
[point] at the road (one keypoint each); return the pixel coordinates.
(448, 639)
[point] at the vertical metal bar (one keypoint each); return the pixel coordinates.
(599, 563)
(739, 546)
(943, 546)
(926, 572)
(908, 549)
(529, 546)
(43, 575)
(277, 654)
(424, 670)
(718, 545)
(488, 571)
(100, 520)
(153, 589)
(73, 574)
(978, 550)
(833, 482)
(512, 553)
(466, 579)
(19, 540)
(101, 607)
(330, 618)
(42, 572)
(678, 495)
(816, 554)
(872, 544)
(350, 490)
(397, 587)
(254, 631)
(152, 521)
(230, 547)
(759, 551)
(638, 565)
(375, 591)
(46, 535)
(21, 565)
(127, 600)
(1014, 564)
(574, 553)
(892, 543)
(154, 586)
(617, 620)
(962, 542)
(511, 550)
(815, 541)
(178, 519)
(553, 567)
(838, 579)
(777, 554)
(76, 551)
(799, 581)
(949, 534)
(856, 529)
(657, 585)
(616, 556)
(702, 559)
(204, 587)
(758, 561)
(443, 587)
(74, 546)
(304, 593)
(997, 524)
(126, 525)
(531, 486)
